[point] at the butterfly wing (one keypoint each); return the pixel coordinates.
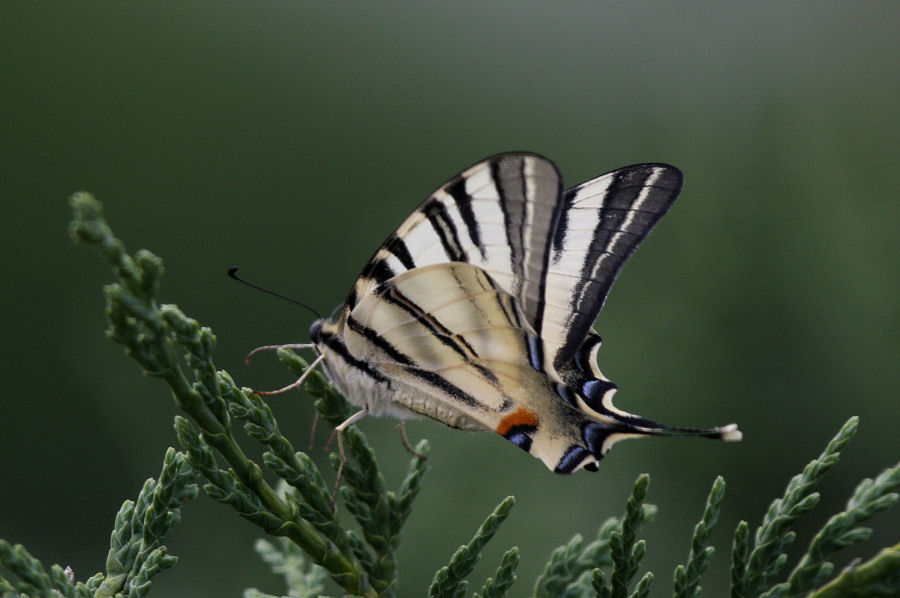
(602, 222)
(557, 253)
(500, 215)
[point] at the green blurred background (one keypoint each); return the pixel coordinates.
(290, 138)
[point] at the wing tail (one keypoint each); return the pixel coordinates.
(591, 437)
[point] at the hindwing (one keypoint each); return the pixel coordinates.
(449, 328)
(457, 350)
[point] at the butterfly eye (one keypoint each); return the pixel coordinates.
(315, 331)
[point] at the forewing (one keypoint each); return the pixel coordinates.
(499, 215)
(601, 223)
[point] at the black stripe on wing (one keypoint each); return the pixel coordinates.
(519, 193)
(450, 340)
(379, 270)
(445, 229)
(512, 206)
(336, 344)
(432, 378)
(530, 189)
(457, 190)
(453, 341)
(397, 246)
(630, 206)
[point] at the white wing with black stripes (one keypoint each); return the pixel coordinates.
(557, 252)
(478, 310)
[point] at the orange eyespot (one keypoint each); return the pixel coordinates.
(519, 417)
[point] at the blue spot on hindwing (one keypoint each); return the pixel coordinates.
(535, 353)
(594, 435)
(565, 393)
(520, 437)
(571, 459)
(594, 390)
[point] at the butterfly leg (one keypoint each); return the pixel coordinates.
(293, 385)
(312, 431)
(407, 445)
(339, 430)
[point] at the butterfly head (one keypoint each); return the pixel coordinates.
(315, 331)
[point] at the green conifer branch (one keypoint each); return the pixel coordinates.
(767, 558)
(136, 552)
(27, 576)
(401, 501)
(499, 584)
(740, 552)
(561, 570)
(840, 531)
(365, 496)
(599, 553)
(626, 553)
(165, 342)
(303, 578)
(379, 512)
(450, 580)
(600, 584)
(173, 347)
(573, 571)
(687, 577)
(879, 577)
(642, 589)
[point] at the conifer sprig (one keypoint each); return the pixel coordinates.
(169, 345)
(302, 578)
(626, 552)
(879, 577)
(136, 552)
(573, 571)
(503, 579)
(450, 580)
(767, 557)
(839, 532)
(687, 577)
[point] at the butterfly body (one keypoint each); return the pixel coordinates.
(477, 311)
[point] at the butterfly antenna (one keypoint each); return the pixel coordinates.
(232, 272)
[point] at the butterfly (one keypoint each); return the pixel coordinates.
(478, 310)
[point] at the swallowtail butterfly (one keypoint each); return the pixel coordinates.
(478, 310)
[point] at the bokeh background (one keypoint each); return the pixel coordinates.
(290, 138)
